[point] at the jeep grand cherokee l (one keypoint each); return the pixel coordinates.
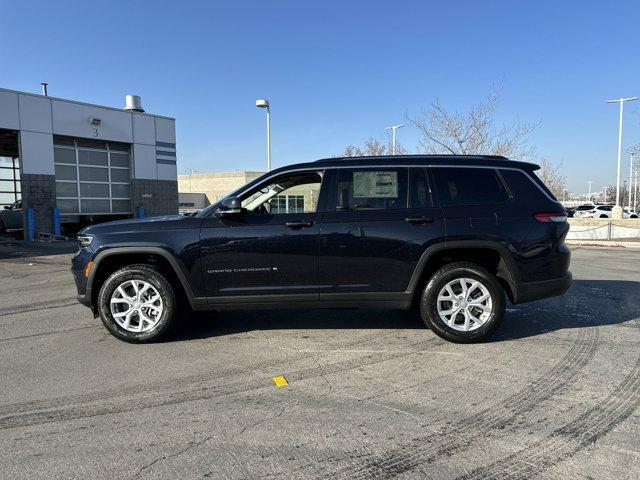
(452, 236)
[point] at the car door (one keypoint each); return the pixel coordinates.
(476, 203)
(14, 215)
(269, 251)
(379, 221)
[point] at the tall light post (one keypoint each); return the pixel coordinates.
(393, 129)
(635, 194)
(621, 101)
(264, 103)
(632, 154)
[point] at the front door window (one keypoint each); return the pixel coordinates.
(293, 193)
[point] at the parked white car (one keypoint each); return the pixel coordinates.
(604, 211)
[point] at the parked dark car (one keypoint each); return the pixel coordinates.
(452, 236)
(11, 216)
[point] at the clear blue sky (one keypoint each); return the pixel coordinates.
(337, 72)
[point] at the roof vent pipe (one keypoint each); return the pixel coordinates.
(44, 88)
(133, 103)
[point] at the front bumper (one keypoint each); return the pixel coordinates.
(78, 264)
(530, 291)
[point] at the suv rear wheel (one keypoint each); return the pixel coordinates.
(462, 302)
(137, 304)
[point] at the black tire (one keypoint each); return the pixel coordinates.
(148, 274)
(603, 216)
(448, 273)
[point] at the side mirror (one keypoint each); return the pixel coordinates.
(7, 207)
(229, 206)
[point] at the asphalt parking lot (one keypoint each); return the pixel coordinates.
(371, 394)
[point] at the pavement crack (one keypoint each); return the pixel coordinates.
(173, 455)
(260, 422)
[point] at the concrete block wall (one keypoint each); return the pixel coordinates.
(157, 197)
(39, 193)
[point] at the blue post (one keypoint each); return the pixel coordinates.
(56, 221)
(31, 225)
(140, 212)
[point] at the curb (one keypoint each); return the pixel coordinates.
(603, 243)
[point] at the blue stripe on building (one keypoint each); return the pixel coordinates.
(164, 153)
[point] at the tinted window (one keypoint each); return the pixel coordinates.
(468, 186)
(539, 181)
(371, 189)
(419, 189)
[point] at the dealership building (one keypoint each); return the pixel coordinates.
(81, 163)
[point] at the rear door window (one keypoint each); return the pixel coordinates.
(371, 189)
(468, 186)
(420, 195)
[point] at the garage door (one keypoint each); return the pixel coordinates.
(93, 177)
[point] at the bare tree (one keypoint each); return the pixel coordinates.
(373, 148)
(552, 177)
(473, 132)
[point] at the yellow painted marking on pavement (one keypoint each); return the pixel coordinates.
(280, 381)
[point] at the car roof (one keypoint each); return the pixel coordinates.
(415, 160)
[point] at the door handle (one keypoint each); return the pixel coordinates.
(419, 220)
(298, 224)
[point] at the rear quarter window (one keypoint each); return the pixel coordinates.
(468, 186)
(527, 187)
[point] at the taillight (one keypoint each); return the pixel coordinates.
(554, 217)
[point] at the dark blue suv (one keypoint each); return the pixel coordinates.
(451, 236)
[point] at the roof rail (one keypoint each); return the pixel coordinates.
(438, 155)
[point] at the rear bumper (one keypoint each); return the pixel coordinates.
(530, 291)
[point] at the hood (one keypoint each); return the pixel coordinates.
(164, 222)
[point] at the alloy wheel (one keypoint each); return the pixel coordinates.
(464, 304)
(136, 306)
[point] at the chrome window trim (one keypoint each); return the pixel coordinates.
(392, 165)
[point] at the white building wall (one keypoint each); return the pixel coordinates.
(36, 153)
(9, 117)
(35, 113)
(38, 117)
(73, 120)
(144, 162)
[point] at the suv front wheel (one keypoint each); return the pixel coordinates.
(462, 302)
(137, 304)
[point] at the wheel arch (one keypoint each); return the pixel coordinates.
(494, 257)
(119, 257)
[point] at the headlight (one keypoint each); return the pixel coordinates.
(84, 240)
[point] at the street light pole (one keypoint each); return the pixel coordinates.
(630, 178)
(621, 101)
(634, 191)
(263, 103)
(393, 129)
